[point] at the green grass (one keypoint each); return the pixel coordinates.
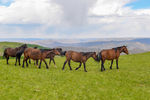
(130, 82)
(4, 45)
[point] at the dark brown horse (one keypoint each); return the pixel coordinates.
(37, 54)
(111, 54)
(30, 60)
(80, 57)
(14, 52)
(53, 54)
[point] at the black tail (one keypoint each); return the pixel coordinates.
(99, 56)
(63, 53)
(4, 55)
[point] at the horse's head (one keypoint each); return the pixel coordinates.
(24, 46)
(56, 52)
(124, 49)
(59, 49)
(35, 47)
(94, 56)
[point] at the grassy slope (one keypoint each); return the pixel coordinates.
(130, 82)
(4, 45)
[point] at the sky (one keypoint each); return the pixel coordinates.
(74, 18)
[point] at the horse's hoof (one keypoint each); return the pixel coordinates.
(55, 66)
(110, 67)
(85, 71)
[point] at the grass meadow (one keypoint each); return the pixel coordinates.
(130, 82)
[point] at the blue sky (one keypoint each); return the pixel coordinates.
(74, 18)
(6, 2)
(139, 4)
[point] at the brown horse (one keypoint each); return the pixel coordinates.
(53, 54)
(111, 54)
(14, 52)
(80, 57)
(37, 54)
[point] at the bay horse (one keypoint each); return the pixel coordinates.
(111, 54)
(80, 57)
(14, 52)
(53, 54)
(37, 54)
(30, 60)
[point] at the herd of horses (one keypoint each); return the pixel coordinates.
(80, 57)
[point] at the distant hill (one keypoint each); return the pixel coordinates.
(4, 45)
(135, 45)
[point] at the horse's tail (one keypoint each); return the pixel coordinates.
(5, 54)
(63, 53)
(99, 56)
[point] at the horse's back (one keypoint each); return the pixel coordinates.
(108, 54)
(10, 52)
(73, 55)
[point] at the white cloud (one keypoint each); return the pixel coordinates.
(30, 11)
(112, 18)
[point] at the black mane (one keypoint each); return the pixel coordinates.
(86, 53)
(43, 50)
(118, 48)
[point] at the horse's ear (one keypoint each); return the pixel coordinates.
(125, 46)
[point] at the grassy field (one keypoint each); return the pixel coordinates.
(4, 45)
(130, 82)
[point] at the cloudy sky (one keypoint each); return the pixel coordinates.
(74, 18)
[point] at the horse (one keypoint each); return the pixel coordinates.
(53, 54)
(80, 57)
(30, 60)
(111, 54)
(37, 54)
(14, 52)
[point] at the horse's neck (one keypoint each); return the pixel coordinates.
(88, 56)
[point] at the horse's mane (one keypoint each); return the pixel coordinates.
(118, 48)
(86, 53)
(43, 50)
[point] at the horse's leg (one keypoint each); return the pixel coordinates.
(7, 59)
(117, 63)
(36, 62)
(69, 65)
(50, 61)
(23, 62)
(79, 66)
(64, 65)
(16, 61)
(111, 64)
(102, 65)
(84, 67)
(45, 63)
(54, 63)
(19, 60)
(29, 61)
(40, 64)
